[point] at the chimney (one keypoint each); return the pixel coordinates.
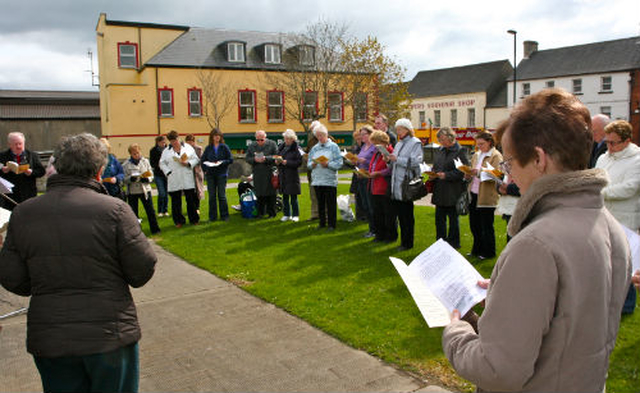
(529, 48)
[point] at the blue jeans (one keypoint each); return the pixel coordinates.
(217, 189)
(163, 199)
(288, 207)
(115, 371)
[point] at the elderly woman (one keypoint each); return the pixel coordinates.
(197, 171)
(289, 160)
(622, 195)
(215, 162)
(137, 176)
(260, 156)
(383, 217)
(484, 197)
(113, 175)
(405, 160)
(553, 305)
(324, 162)
(364, 193)
(448, 185)
(177, 162)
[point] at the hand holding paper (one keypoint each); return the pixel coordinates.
(467, 170)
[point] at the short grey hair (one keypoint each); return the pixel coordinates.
(448, 132)
(80, 156)
(320, 129)
(289, 133)
(261, 132)
(16, 134)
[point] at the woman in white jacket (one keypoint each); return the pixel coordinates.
(177, 163)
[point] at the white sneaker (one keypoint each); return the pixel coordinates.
(295, 219)
(285, 218)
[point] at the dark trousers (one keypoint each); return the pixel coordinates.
(115, 371)
(266, 204)
(630, 301)
(163, 199)
(481, 225)
(327, 205)
(290, 205)
(312, 197)
(384, 219)
(404, 211)
(147, 203)
(453, 236)
(367, 203)
(176, 206)
(217, 190)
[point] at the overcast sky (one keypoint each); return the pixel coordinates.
(44, 43)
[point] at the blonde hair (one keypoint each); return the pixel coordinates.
(621, 128)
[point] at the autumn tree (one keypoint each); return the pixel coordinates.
(217, 100)
(372, 77)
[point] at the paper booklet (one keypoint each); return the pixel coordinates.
(212, 164)
(428, 169)
(321, 160)
(16, 168)
(362, 172)
(383, 150)
(489, 173)
(349, 156)
(6, 187)
(463, 168)
(146, 174)
(182, 158)
(441, 280)
(634, 246)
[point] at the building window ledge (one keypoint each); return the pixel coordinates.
(606, 92)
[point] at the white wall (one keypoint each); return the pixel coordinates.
(460, 102)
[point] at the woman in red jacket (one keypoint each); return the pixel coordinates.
(384, 220)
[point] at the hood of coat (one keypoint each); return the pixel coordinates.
(629, 151)
(59, 180)
(574, 182)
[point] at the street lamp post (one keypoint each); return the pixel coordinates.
(514, 33)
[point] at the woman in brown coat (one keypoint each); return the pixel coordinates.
(553, 305)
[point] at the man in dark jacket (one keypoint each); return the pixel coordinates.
(23, 177)
(76, 251)
(449, 185)
(260, 156)
(598, 123)
(158, 176)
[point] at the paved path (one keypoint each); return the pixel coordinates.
(201, 333)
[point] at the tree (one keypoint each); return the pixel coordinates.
(370, 75)
(217, 100)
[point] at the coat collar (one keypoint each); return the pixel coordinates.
(575, 184)
(59, 180)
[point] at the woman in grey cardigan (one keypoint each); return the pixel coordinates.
(407, 157)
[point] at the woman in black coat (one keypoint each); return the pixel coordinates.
(289, 160)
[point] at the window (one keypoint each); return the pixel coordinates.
(526, 89)
(272, 54)
(165, 102)
(454, 117)
(195, 102)
(361, 108)
(577, 86)
(310, 106)
(247, 106)
(605, 84)
(275, 103)
(422, 118)
(436, 118)
(306, 55)
(235, 52)
(606, 110)
(127, 55)
(550, 84)
(336, 112)
(471, 117)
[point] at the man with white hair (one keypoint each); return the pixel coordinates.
(260, 156)
(311, 141)
(598, 123)
(23, 175)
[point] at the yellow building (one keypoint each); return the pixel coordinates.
(157, 78)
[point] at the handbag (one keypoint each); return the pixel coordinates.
(413, 188)
(275, 180)
(462, 204)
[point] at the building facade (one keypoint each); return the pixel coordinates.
(157, 78)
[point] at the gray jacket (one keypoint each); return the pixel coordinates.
(409, 152)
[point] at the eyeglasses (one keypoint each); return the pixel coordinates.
(613, 143)
(505, 166)
(259, 140)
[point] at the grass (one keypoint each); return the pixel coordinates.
(345, 285)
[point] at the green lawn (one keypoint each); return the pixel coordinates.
(346, 285)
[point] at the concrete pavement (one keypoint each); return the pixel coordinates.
(201, 333)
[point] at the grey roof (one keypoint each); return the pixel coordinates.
(38, 104)
(206, 48)
(485, 77)
(595, 58)
(56, 95)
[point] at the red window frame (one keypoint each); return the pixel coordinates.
(189, 102)
(135, 45)
(282, 120)
(331, 120)
(303, 106)
(255, 112)
(160, 114)
(366, 109)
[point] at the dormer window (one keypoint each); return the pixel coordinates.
(272, 54)
(127, 55)
(306, 55)
(235, 52)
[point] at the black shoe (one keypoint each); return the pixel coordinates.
(225, 218)
(403, 248)
(470, 254)
(330, 229)
(376, 240)
(369, 235)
